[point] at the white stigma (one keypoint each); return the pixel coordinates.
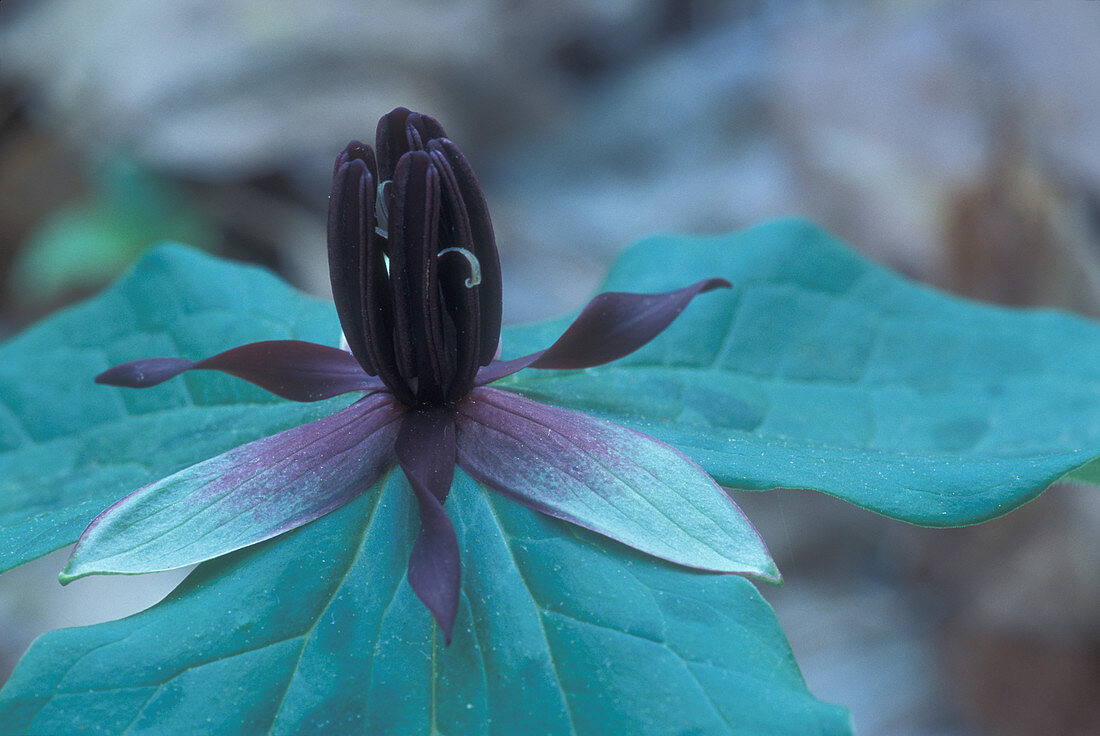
(475, 265)
(381, 211)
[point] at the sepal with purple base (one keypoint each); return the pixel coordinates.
(244, 496)
(607, 478)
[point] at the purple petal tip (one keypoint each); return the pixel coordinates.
(142, 373)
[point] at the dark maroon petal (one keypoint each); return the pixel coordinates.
(350, 226)
(461, 295)
(414, 273)
(499, 369)
(613, 325)
(425, 449)
(143, 373)
(251, 493)
(296, 370)
(484, 247)
(421, 129)
(391, 141)
(434, 567)
(461, 304)
(610, 479)
(379, 318)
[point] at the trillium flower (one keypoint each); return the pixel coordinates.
(416, 282)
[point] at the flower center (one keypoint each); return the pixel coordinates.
(414, 262)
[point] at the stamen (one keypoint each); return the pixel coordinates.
(382, 210)
(475, 265)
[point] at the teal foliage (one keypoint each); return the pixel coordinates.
(817, 370)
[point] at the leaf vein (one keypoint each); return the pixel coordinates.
(539, 611)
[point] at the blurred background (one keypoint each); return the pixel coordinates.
(958, 143)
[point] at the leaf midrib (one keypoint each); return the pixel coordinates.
(352, 562)
(534, 603)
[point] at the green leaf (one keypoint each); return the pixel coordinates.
(558, 632)
(822, 370)
(69, 448)
(1089, 473)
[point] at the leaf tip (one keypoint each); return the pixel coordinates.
(80, 566)
(769, 573)
(71, 572)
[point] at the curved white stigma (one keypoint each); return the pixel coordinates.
(475, 265)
